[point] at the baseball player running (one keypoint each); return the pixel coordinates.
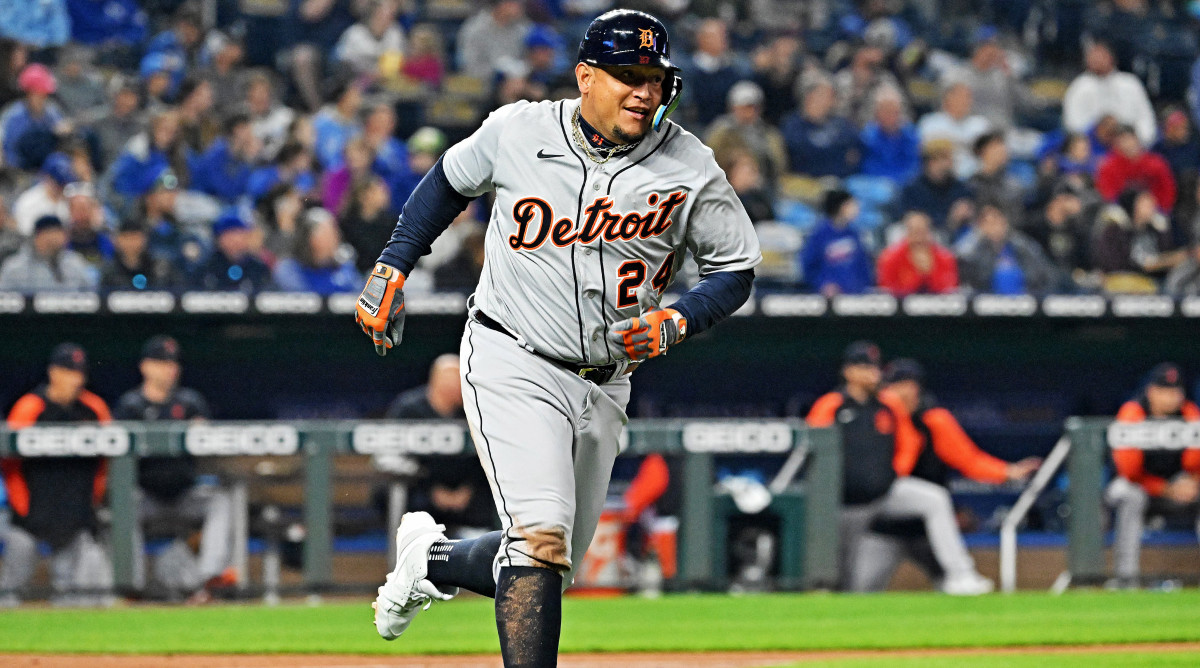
(596, 201)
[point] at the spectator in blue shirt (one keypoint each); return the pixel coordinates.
(115, 29)
(147, 155)
(890, 144)
(337, 122)
(30, 126)
(713, 71)
(996, 259)
(937, 192)
(293, 165)
(833, 257)
(223, 171)
(818, 142)
(318, 263)
(39, 23)
(232, 265)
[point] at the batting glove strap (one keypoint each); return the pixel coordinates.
(380, 307)
(650, 334)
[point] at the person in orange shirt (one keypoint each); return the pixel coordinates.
(54, 498)
(1168, 478)
(944, 446)
(880, 449)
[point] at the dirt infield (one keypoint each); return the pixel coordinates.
(665, 660)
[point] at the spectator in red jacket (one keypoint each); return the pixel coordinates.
(917, 263)
(1130, 166)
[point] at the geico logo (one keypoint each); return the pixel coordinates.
(1073, 307)
(202, 440)
(372, 439)
(1164, 435)
(72, 442)
(794, 305)
(11, 302)
(288, 302)
(1148, 306)
(864, 305)
(1005, 305)
(737, 437)
(935, 305)
(141, 302)
(214, 302)
(67, 302)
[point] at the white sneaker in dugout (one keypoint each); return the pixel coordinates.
(967, 584)
(406, 591)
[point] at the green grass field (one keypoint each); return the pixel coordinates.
(672, 623)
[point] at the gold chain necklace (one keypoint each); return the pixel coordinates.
(597, 155)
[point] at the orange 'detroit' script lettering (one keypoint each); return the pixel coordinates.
(535, 222)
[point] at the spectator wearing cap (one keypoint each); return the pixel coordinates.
(30, 126)
(997, 93)
(43, 25)
(54, 499)
(545, 60)
(87, 233)
(425, 146)
(169, 240)
(147, 155)
(45, 262)
(1132, 239)
(860, 82)
(318, 262)
(1178, 145)
(1129, 165)
(376, 33)
(181, 43)
(996, 259)
(223, 171)
(45, 198)
(938, 192)
(917, 263)
(1167, 480)
(881, 447)
(890, 144)
(170, 488)
(337, 123)
(1064, 234)
(955, 122)
(819, 142)
(944, 446)
(232, 265)
(160, 75)
(743, 128)
(833, 258)
(493, 35)
(269, 119)
(992, 181)
(131, 266)
(1104, 91)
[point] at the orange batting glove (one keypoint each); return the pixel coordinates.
(380, 309)
(652, 332)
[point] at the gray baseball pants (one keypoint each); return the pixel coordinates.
(547, 440)
(201, 503)
(79, 571)
(907, 498)
(1129, 501)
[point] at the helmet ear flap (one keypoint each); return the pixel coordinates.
(670, 99)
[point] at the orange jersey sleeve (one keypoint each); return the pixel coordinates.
(14, 483)
(1191, 456)
(26, 411)
(908, 439)
(957, 449)
(97, 405)
(648, 486)
(825, 410)
(1131, 461)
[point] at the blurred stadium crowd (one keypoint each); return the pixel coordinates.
(1008, 147)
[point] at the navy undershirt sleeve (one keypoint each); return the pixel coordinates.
(427, 213)
(714, 298)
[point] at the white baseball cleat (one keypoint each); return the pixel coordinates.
(967, 584)
(406, 591)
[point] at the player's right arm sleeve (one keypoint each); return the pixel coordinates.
(714, 298)
(825, 410)
(427, 213)
(957, 449)
(1130, 462)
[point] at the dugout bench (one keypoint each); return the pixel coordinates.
(807, 502)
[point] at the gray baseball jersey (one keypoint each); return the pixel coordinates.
(570, 240)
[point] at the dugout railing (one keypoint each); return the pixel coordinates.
(1084, 450)
(813, 490)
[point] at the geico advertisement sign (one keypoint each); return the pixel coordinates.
(1154, 435)
(98, 441)
(434, 439)
(248, 439)
(737, 437)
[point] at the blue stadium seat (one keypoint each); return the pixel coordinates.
(871, 191)
(796, 214)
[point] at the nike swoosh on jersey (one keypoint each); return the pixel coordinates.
(543, 154)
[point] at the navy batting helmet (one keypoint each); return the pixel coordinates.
(627, 37)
